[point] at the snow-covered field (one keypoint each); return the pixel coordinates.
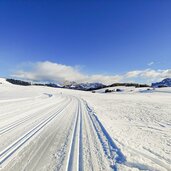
(45, 128)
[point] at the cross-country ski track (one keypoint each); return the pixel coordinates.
(55, 129)
(54, 132)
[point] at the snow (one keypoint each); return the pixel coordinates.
(43, 128)
(164, 83)
(127, 90)
(140, 124)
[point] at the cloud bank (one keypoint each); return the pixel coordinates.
(54, 72)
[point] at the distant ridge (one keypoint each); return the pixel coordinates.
(164, 83)
(74, 85)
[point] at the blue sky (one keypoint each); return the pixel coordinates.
(94, 37)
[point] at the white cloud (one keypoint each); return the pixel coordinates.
(150, 63)
(132, 74)
(149, 74)
(107, 79)
(49, 71)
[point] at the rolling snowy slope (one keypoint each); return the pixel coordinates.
(140, 125)
(44, 128)
(51, 132)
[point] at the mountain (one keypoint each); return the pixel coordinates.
(26, 83)
(164, 83)
(18, 82)
(74, 85)
(84, 86)
(137, 85)
(69, 85)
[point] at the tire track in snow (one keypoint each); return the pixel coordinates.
(114, 154)
(111, 151)
(82, 141)
(89, 151)
(85, 149)
(37, 154)
(75, 150)
(25, 119)
(26, 105)
(15, 146)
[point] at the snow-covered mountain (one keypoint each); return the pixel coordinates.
(85, 86)
(69, 85)
(164, 83)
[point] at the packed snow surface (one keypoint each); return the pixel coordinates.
(44, 128)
